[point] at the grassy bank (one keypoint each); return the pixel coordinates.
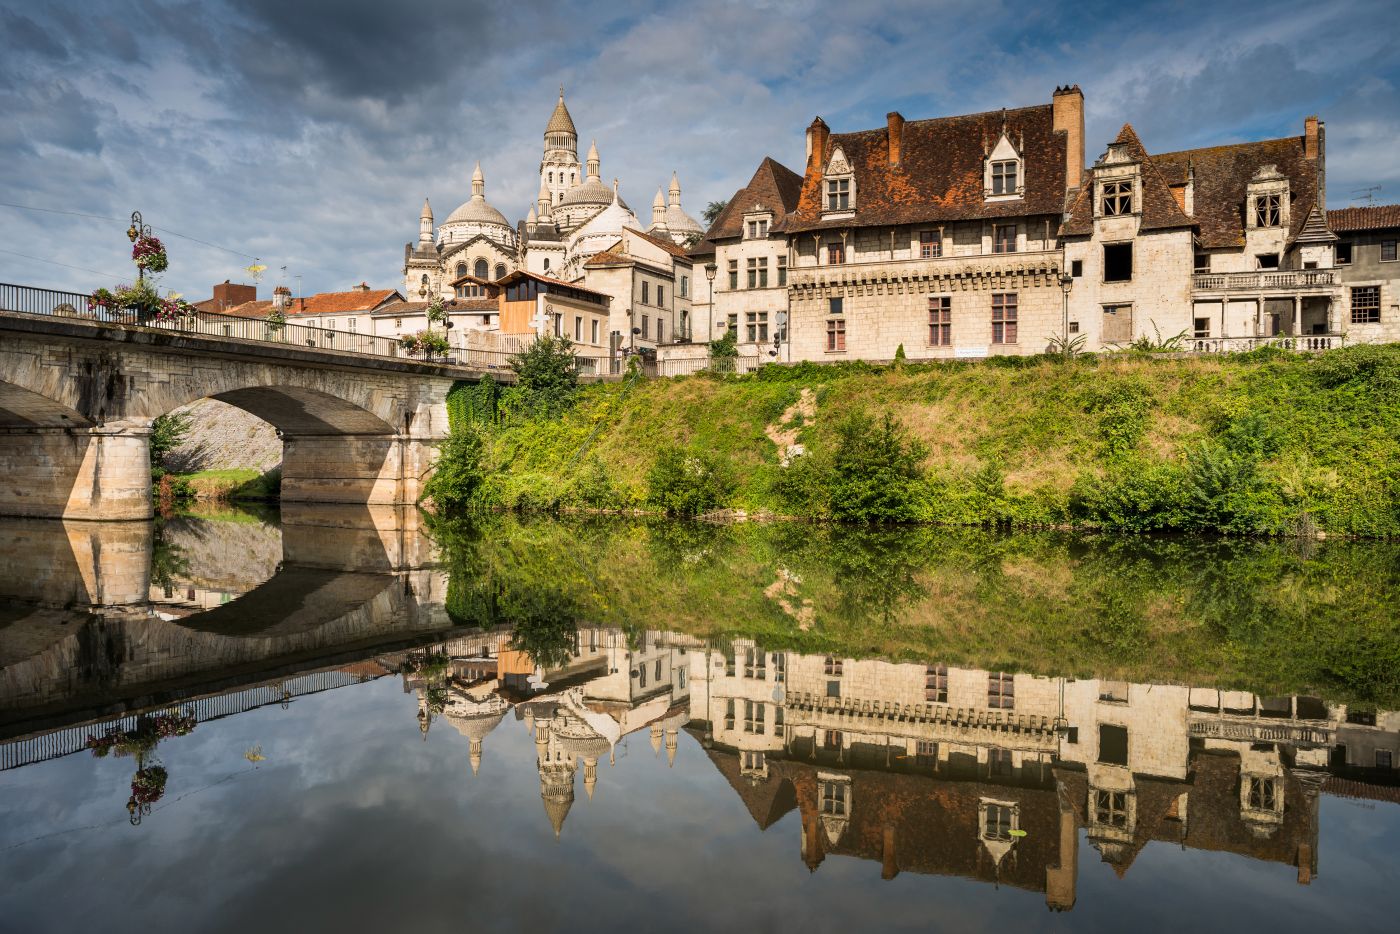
(233, 485)
(1262, 443)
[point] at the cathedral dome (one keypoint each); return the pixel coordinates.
(477, 210)
(591, 191)
(609, 222)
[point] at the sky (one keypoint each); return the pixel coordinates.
(306, 134)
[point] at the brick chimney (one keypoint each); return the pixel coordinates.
(1068, 115)
(1310, 138)
(817, 135)
(894, 121)
(281, 298)
(227, 294)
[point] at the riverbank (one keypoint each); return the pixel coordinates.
(1267, 443)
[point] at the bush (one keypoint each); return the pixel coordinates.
(689, 482)
(167, 431)
(461, 470)
(594, 488)
(876, 468)
(1372, 365)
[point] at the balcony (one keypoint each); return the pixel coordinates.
(1264, 280)
(1305, 343)
(1039, 263)
(1259, 731)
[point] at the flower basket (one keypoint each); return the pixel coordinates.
(149, 254)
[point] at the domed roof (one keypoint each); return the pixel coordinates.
(590, 191)
(680, 222)
(477, 211)
(560, 121)
(609, 221)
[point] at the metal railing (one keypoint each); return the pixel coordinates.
(685, 366)
(53, 303)
(1305, 343)
(1263, 279)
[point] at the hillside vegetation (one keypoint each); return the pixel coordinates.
(1263, 443)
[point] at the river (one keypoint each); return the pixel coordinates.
(342, 719)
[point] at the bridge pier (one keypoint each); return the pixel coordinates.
(373, 470)
(76, 473)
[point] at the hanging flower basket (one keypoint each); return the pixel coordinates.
(143, 738)
(149, 254)
(426, 343)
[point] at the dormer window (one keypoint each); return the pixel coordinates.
(1004, 175)
(1268, 210)
(838, 194)
(1117, 198)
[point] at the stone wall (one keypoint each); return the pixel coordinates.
(222, 437)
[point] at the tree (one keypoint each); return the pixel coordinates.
(713, 210)
(167, 431)
(546, 371)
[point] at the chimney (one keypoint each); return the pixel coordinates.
(227, 294)
(362, 287)
(1068, 116)
(1310, 138)
(281, 298)
(894, 121)
(817, 135)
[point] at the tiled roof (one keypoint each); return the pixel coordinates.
(940, 173)
(340, 302)
(1160, 209)
(1370, 217)
(258, 309)
(612, 256)
(1221, 179)
(665, 243)
(774, 185)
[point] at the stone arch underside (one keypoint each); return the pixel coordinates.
(24, 408)
(295, 410)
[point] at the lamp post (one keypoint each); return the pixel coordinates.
(1066, 283)
(138, 229)
(710, 270)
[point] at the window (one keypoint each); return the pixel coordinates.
(1074, 327)
(733, 274)
(646, 292)
(1113, 692)
(1263, 794)
(594, 334)
(1200, 327)
(779, 667)
(782, 272)
(660, 330)
(1111, 809)
(1202, 262)
(835, 254)
(835, 334)
(940, 320)
(660, 295)
(1387, 251)
(685, 287)
(1076, 268)
(1268, 211)
(777, 721)
(1267, 260)
(999, 762)
(838, 194)
(641, 676)
(1117, 198)
(351, 323)
(753, 761)
(1004, 238)
(461, 270)
(755, 663)
(646, 326)
(758, 229)
(1385, 759)
(833, 667)
(1117, 262)
(753, 717)
(1366, 304)
(833, 689)
(1004, 177)
(578, 327)
(1003, 317)
(1113, 744)
(1000, 821)
(546, 264)
(834, 306)
(763, 272)
(1117, 324)
(926, 753)
(734, 324)
(729, 714)
(482, 269)
(836, 798)
(763, 228)
(758, 326)
(500, 270)
(1001, 691)
(1342, 252)
(753, 272)
(753, 229)
(930, 244)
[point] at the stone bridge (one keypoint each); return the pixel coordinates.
(78, 396)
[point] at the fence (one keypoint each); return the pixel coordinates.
(685, 366)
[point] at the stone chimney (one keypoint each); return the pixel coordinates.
(1068, 116)
(227, 294)
(817, 135)
(1310, 125)
(894, 121)
(282, 298)
(362, 287)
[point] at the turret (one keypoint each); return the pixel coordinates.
(478, 184)
(594, 164)
(675, 193)
(425, 227)
(658, 214)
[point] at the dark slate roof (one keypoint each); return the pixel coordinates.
(1160, 208)
(1222, 175)
(774, 185)
(940, 173)
(1370, 217)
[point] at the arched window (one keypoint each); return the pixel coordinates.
(551, 178)
(561, 196)
(461, 270)
(500, 270)
(573, 178)
(546, 264)
(481, 267)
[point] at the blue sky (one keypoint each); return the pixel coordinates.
(307, 133)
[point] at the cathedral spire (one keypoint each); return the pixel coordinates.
(594, 164)
(543, 199)
(425, 225)
(658, 223)
(675, 193)
(478, 184)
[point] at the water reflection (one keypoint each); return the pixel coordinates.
(121, 639)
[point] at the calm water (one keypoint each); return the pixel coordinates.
(332, 719)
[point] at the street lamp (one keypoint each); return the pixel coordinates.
(1066, 283)
(138, 229)
(710, 270)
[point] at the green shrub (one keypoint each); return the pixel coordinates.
(593, 487)
(546, 374)
(461, 470)
(689, 482)
(167, 431)
(875, 470)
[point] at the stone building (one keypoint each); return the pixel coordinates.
(650, 279)
(1368, 270)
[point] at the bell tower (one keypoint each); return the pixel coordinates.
(560, 169)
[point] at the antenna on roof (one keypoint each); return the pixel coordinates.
(1367, 194)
